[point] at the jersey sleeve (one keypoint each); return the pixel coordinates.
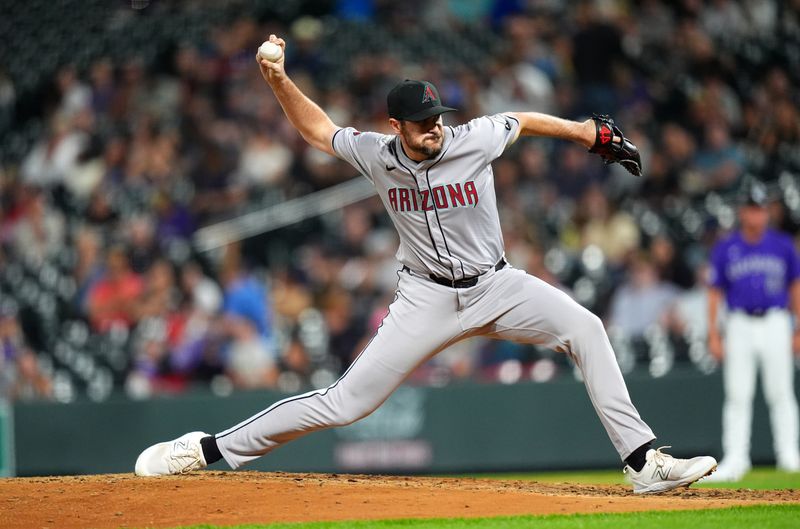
(500, 133)
(792, 262)
(717, 278)
(493, 134)
(356, 148)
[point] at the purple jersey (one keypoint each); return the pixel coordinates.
(755, 277)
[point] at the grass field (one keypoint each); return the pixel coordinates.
(755, 517)
(774, 517)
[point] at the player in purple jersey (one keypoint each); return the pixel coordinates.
(756, 271)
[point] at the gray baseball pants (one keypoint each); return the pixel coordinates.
(426, 318)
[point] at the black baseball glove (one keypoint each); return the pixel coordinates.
(612, 146)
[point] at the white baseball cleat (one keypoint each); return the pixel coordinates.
(662, 472)
(179, 456)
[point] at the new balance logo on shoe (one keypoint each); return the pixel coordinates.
(661, 472)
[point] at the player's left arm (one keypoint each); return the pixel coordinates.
(598, 133)
(793, 279)
(794, 301)
(538, 124)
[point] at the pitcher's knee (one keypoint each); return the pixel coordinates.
(589, 328)
(352, 412)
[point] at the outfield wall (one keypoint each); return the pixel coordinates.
(458, 428)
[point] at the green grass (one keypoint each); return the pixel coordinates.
(759, 478)
(760, 517)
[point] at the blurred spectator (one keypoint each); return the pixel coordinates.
(643, 300)
(204, 294)
(89, 169)
(55, 155)
(660, 181)
(344, 329)
(251, 358)
(39, 234)
(679, 148)
(174, 221)
(671, 266)
(75, 95)
(723, 17)
(518, 85)
(719, 159)
(12, 341)
(112, 299)
(263, 162)
(290, 294)
(89, 266)
(159, 296)
(30, 382)
(573, 172)
(597, 48)
(20, 376)
(141, 242)
(103, 86)
(100, 211)
(8, 97)
(691, 308)
(614, 232)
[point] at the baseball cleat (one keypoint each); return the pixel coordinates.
(179, 456)
(662, 472)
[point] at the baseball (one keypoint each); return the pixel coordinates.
(270, 51)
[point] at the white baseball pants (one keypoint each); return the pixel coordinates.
(424, 319)
(766, 343)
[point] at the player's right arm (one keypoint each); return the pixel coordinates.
(717, 285)
(306, 116)
(714, 338)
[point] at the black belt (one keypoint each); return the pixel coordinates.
(465, 282)
(759, 312)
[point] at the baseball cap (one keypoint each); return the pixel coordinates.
(755, 194)
(414, 100)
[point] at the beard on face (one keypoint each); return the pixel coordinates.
(428, 149)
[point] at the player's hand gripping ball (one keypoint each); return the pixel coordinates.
(270, 51)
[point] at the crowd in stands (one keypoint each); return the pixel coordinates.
(136, 154)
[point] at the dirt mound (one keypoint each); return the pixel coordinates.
(123, 500)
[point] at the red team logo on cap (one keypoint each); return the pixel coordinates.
(428, 95)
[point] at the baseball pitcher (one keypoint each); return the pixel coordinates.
(437, 186)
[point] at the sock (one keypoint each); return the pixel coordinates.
(211, 451)
(637, 458)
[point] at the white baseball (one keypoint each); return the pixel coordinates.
(270, 51)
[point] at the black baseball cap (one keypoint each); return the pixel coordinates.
(415, 101)
(755, 194)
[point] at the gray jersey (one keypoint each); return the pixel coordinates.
(444, 209)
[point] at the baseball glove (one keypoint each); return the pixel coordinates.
(612, 146)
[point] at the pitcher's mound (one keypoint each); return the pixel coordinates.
(225, 498)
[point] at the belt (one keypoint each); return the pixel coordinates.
(758, 312)
(465, 282)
